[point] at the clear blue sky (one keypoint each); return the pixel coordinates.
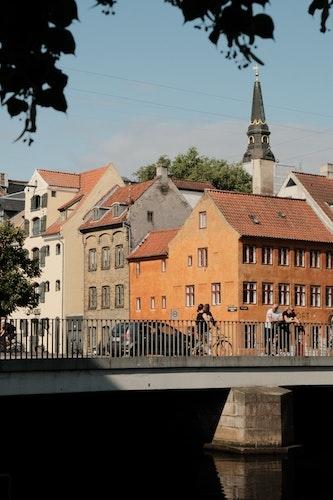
(122, 108)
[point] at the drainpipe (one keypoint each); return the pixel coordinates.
(127, 226)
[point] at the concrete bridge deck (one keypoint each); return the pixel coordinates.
(60, 376)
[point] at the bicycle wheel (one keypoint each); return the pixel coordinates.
(223, 348)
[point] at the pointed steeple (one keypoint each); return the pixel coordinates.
(258, 132)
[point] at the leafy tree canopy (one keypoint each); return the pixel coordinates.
(17, 270)
(192, 166)
(34, 35)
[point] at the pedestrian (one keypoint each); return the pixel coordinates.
(209, 324)
(288, 317)
(272, 328)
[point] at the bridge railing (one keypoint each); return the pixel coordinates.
(76, 338)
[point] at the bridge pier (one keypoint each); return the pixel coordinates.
(256, 420)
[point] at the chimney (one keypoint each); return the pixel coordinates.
(327, 170)
(162, 167)
(3, 180)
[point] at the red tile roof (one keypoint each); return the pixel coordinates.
(270, 216)
(125, 195)
(320, 188)
(54, 228)
(60, 179)
(192, 185)
(154, 245)
(87, 181)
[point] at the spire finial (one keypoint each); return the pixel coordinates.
(256, 72)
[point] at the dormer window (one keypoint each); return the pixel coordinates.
(117, 209)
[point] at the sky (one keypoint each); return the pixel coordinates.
(142, 84)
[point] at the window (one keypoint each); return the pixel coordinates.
(137, 268)
(300, 295)
(163, 302)
(58, 250)
(216, 294)
(267, 255)
(35, 202)
(284, 294)
(189, 295)
(315, 296)
(283, 256)
(53, 194)
(42, 257)
(138, 304)
(119, 256)
(249, 292)
(47, 250)
(152, 302)
(150, 216)
(44, 200)
(299, 257)
(41, 292)
(189, 260)
(249, 254)
(119, 296)
(329, 296)
(57, 285)
(202, 220)
(105, 261)
(267, 293)
(35, 253)
(202, 257)
(26, 227)
(329, 260)
(92, 298)
(47, 286)
(43, 224)
(163, 265)
(105, 297)
(314, 258)
(92, 261)
(35, 226)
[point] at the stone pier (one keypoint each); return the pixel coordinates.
(256, 420)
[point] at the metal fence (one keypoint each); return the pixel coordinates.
(79, 338)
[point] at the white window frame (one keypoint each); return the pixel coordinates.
(203, 257)
(249, 292)
(267, 293)
(315, 295)
(202, 219)
(284, 294)
(299, 257)
(300, 295)
(216, 294)
(267, 256)
(189, 295)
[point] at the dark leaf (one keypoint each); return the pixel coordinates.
(16, 106)
(316, 4)
(52, 98)
(60, 40)
(63, 12)
(192, 10)
(263, 26)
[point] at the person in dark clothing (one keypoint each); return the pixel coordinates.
(289, 317)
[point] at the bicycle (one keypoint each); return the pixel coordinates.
(203, 346)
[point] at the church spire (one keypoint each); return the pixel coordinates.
(258, 131)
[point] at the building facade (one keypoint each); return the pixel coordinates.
(240, 253)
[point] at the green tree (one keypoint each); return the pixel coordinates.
(17, 270)
(35, 34)
(194, 167)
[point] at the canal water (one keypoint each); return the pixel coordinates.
(142, 446)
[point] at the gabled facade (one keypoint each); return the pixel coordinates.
(113, 228)
(240, 253)
(55, 205)
(316, 189)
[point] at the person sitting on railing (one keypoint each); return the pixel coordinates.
(288, 316)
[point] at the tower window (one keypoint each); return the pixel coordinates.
(264, 139)
(251, 139)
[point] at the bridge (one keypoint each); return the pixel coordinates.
(20, 377)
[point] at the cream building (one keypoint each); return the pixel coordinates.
(55, 206)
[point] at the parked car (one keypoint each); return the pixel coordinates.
(141, 338)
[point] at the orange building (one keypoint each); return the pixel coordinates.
(240, 253)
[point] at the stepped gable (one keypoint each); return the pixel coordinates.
(155, 244)
(270, 216)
